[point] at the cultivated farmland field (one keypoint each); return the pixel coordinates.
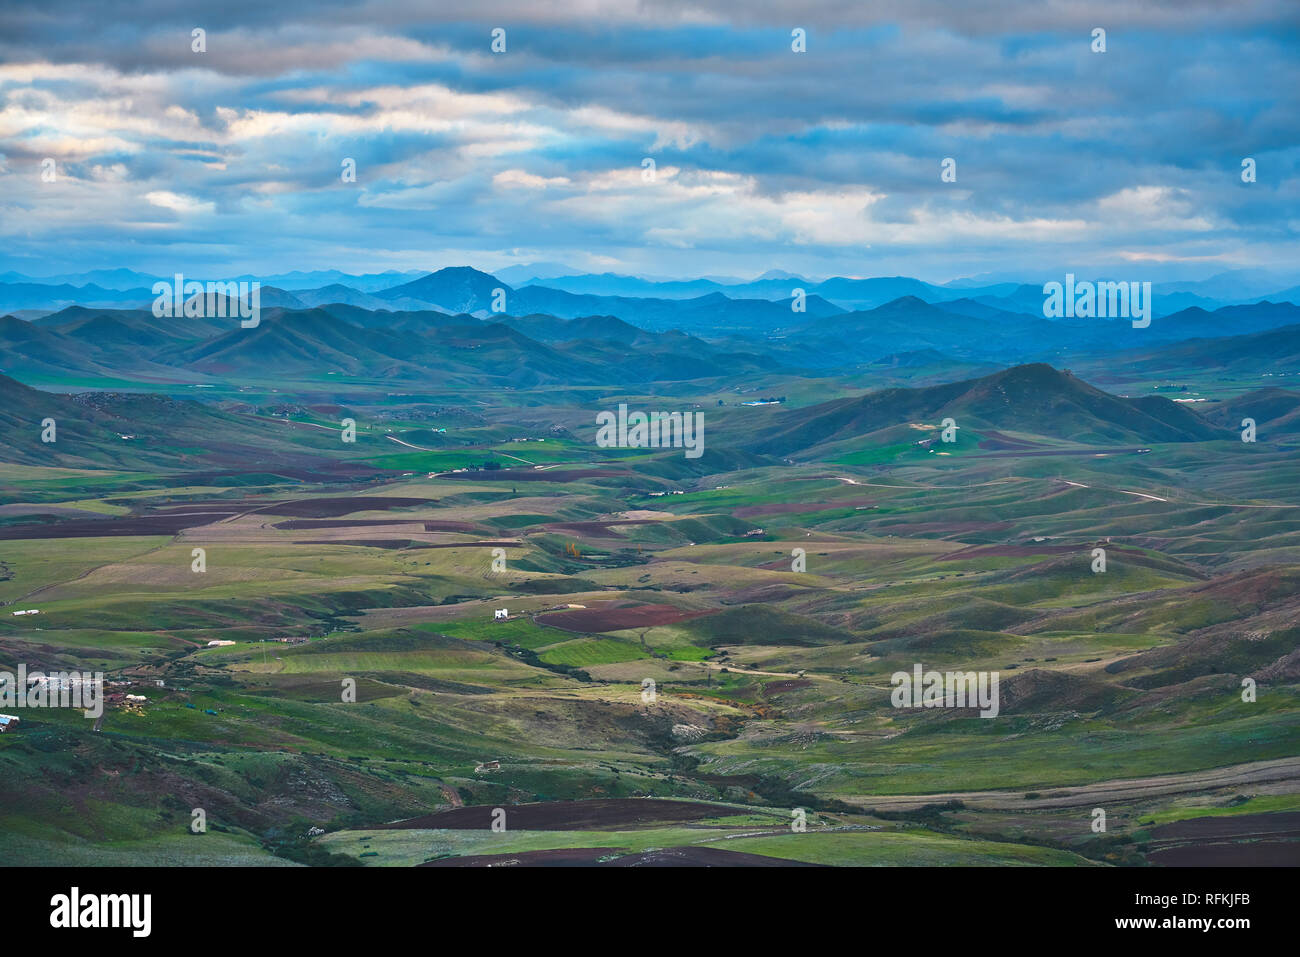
(659, 646)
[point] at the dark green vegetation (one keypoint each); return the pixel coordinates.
(1120, 690)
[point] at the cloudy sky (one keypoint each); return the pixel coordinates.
(823, 162)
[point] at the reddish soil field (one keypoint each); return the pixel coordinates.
(781, 687)
(171, 519)
(333, 507)
(616, 619)
(158, 524)
(409, 543)
(569, 815)
(590, 857)
(1281, 824)
(697, 856)
(301, 524)
(1246, 840)
(1251, 854)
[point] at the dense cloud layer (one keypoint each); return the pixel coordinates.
(820, 162)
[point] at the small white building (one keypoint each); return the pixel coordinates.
(500, 614)
(219, 643)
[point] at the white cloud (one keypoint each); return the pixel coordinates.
(523, 179)
(1153, 207)
(178, 202)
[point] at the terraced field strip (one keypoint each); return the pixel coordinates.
(1129, 789)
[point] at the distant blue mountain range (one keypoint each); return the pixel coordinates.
(775, 303)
